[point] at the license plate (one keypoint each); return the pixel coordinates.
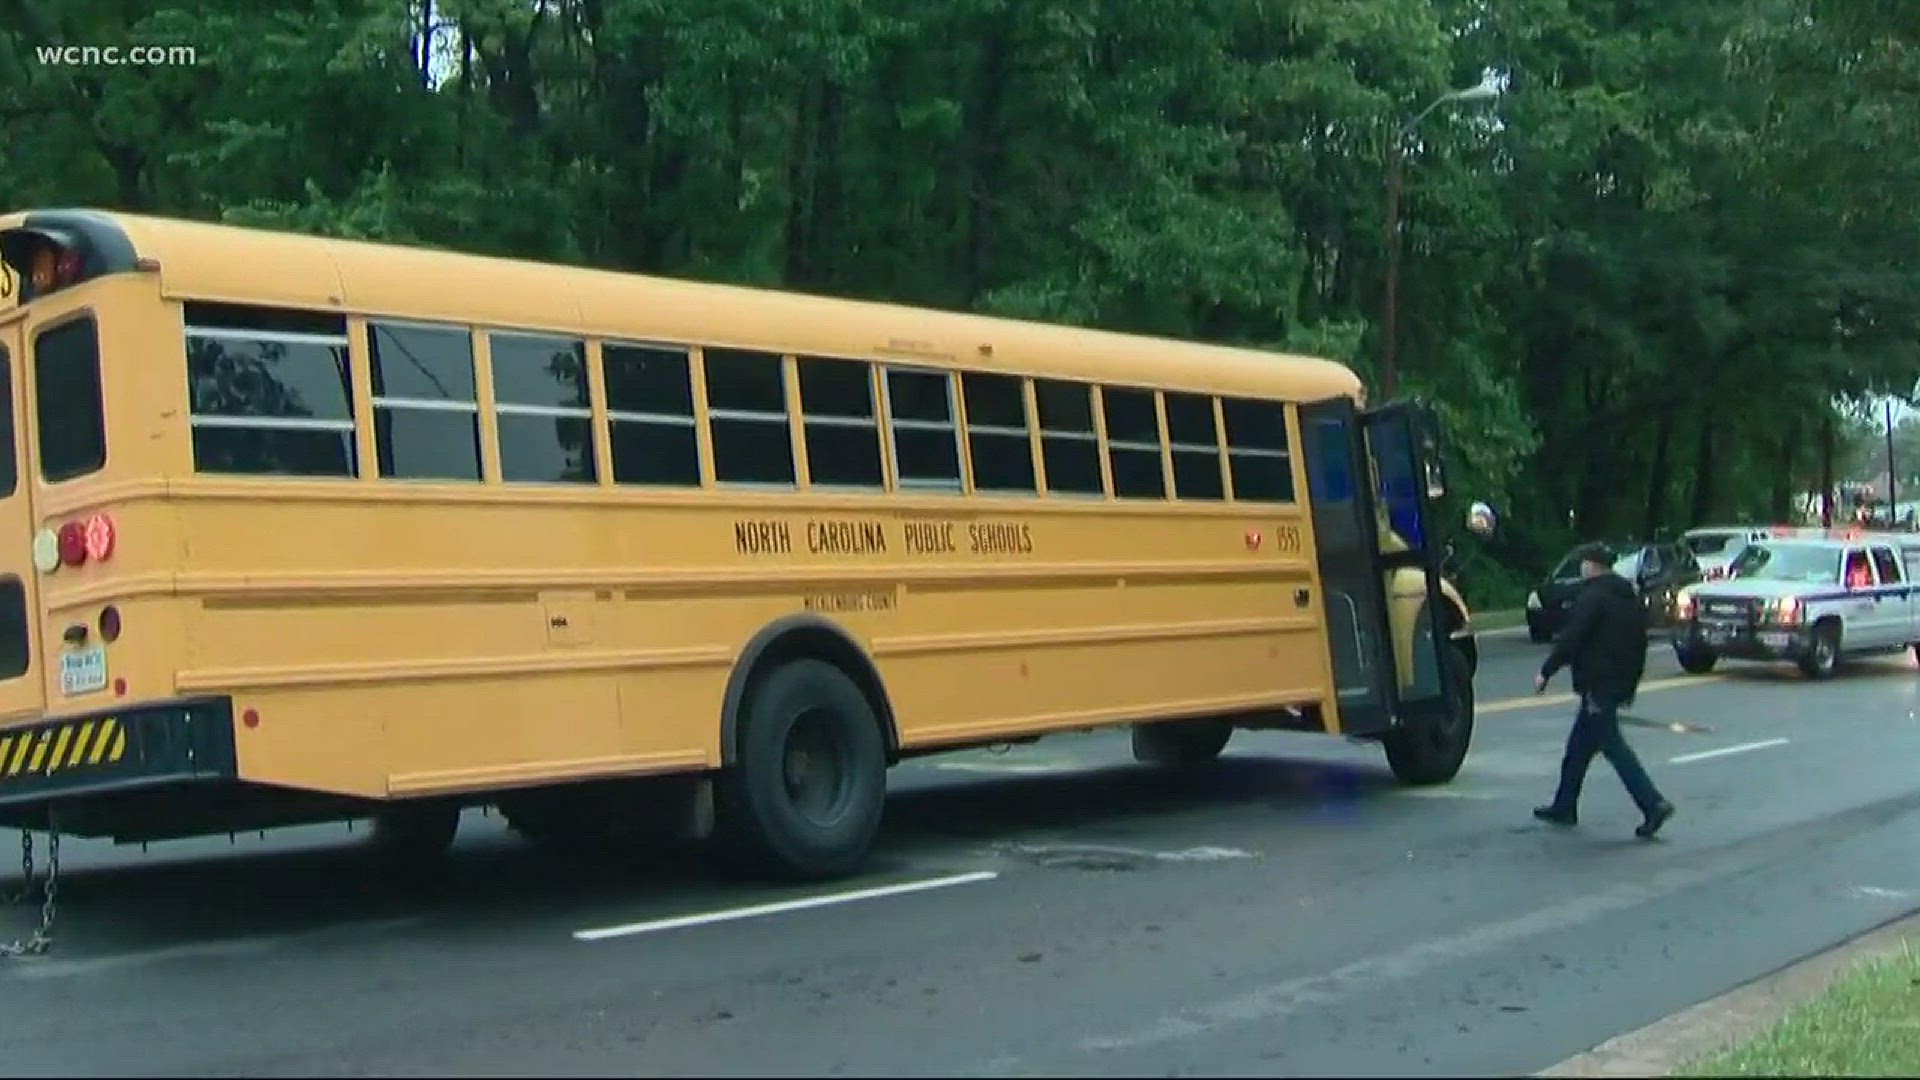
(1776, 641)
(1719, 636)
(83, 671)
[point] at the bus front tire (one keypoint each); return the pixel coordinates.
(1180, 742)
(804, 797)
(1431, 752)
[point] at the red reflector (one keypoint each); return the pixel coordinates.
(110, 623)
(100, 537)
(73, 544)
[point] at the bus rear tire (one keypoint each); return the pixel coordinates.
(804, 798)
(1428, 753)
(1180, 742)
(412, 834)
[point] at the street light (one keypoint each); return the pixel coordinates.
(1487, 88)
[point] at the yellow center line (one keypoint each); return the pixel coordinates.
(1544, 700)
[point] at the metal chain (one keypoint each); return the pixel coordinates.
(42, 937)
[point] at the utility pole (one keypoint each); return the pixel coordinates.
(1488, 87)
(1893, 479)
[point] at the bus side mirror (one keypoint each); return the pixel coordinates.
(1481, 520)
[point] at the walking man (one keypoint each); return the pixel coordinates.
(1605, 641)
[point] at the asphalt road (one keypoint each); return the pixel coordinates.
(1292, 911)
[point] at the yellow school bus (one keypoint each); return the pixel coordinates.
(304, 529)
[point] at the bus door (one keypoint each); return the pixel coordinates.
(1372, 478)
(22, 692)
(1404, 445)
(1346, 538)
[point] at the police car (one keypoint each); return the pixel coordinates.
(1811, 596)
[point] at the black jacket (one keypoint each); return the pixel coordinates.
(1605, 640)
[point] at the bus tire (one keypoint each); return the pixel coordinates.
(1428, 753)
(415, 833)
(1695, 661)
(807, 790)
(1180, 742)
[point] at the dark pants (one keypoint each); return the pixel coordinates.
(1596, 730)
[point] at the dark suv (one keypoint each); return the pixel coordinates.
(1658, 570)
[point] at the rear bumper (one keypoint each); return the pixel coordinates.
(116, 751)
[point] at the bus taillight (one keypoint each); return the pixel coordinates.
(99, 537)
(110, 624)
(73, 544)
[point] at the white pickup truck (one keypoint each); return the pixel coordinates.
(1715, 547)
(1811, 597)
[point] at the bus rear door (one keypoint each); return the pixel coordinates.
(1369, 472)
(22, 691)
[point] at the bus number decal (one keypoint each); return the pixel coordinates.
(1287, 539)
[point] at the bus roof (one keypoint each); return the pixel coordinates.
(204, 261)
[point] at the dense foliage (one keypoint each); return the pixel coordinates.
(1643, 284)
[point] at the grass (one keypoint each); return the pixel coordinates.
(1866, 1024)
(1499, 620)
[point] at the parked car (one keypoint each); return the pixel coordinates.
(1657, 569)
(1715, 547)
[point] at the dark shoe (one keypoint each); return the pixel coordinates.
(1553, 815)
(1655, 818)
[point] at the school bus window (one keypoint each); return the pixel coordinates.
(1133, 443)
(1257, 450)
(926, 440)
(9, 452)
(747, 409)
(543, 408)
(1195, 441)
(650, 416)
(426, 423)
(998, 445)
(1069, 443)
(70, 413)
(16, 654)
(841, 427)
(268, 392)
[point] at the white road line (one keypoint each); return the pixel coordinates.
(1725, 750)
(803, 904)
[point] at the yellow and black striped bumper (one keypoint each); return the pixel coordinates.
(50, 749)
(114, 751)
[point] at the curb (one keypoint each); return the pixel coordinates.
(1664, 1046)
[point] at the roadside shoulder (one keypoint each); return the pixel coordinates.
(1665, 1046)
